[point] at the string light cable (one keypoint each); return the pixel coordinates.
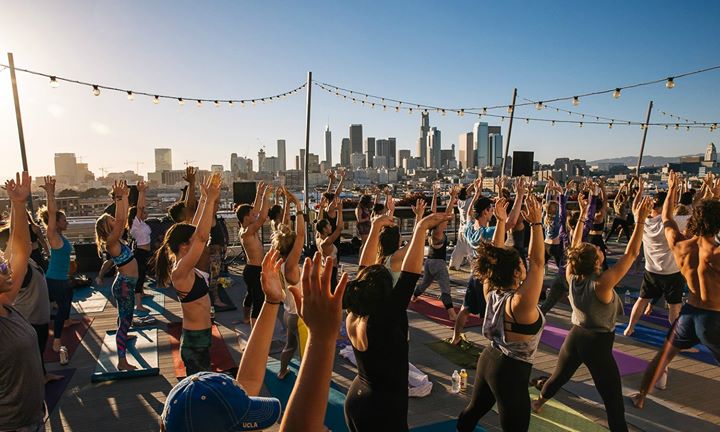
(156, 97)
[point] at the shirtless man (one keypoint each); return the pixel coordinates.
(699, 260)
(251, 219)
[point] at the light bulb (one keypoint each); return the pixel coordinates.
(616, 93)
(199, 103)
(354, 100)
(409, 110)
(230, 103)
(96, 91)
(666, 126)
(384, 107)
(510, 109)
(217, 104)
(539, 106)
(253, 101)
(54, 82)
(337, 94)
(677, 126)
(502, 119)
(609, 125)
(484, 111)
(552, 123)
(181, 101)
(397, 108)
(527, 121)
(461, 113)
(575, 101)
(557, 109)
(581, 124)
(670, 83)
(372, 105)
(242, 104)
(131, 96)
(156, 100)
(687, 128)
(442, 112)
(642, 126)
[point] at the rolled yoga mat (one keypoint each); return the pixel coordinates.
(220, 358)
(434, 309)
(656, 338)
(142, 351)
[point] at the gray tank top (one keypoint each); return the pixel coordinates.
(33, 301)
(588, 311)
(395, 275)
(494, 329)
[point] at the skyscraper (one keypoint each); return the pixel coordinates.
(481, 144)
(66, 168)
(496, 142)
(356, 138)
(434, 155)
(422, 141)
(402, 155)
(381, 146)
(328, 145)
(261, 161)
(391, 153)
(163, 159)
(369, 151)
(281, 154)
(466, 156)
(345, 152)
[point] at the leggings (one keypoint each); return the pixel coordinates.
(195, 350)
(42, 337)
(60, 292)
(123, 290)
(594, 349)
(559, 284)
(436, 270)
(620, 223)
(293, 339)
(251, 275)
(500, 379)
(141, 256)
(368, 407)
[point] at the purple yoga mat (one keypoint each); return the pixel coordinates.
(657, 317)
(627, 364)
(54, 390)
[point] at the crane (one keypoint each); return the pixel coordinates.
(188, 162)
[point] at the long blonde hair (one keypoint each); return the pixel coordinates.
(102, 231)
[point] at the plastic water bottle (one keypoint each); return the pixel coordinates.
(64, 355)
(463, 380)
(626, 298)
(212, 312)
(455, 382)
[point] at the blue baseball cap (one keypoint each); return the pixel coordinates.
(209, 401)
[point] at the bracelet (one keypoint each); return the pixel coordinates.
(273, 303)
(535, 223)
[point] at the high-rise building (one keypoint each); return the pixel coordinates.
(261, 161)
(402, 155)
(345, 152)
(357, 160)
(391, 152)
(466, 156)
(496, 142)
(300, 161)
(447, 157)
(216, 169)
(328, 145)
(710, 153)
(369, 151)
(281, 154)
(313, 163)
(422, 141)
(381, 146)
(356, 138)
(163, 159)
(66, 168)
(379, 162)
(481, 145)
(434, 155)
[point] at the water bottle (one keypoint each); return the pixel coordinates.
(463, 380)
(64, 355)
(212, 312)
(626, 298)
(455, 382)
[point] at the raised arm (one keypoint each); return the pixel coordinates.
(19, 247)
(259, 197)
(369, 251)
(524, 302)
(672, 231)
(413, 261)
(120, 192)
(53, 237)
(390, 205)
(286, 208)
(331, 177)
(141, 187)
(433, 203)
(500, 212)
(338, 227)
(514, 215)
(190, 199)
(339, 187)
(292, 267)
(264, 208)
(583, 203)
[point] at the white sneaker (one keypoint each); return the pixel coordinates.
(661, 383)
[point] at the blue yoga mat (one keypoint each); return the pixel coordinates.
(656, 338)
(443, 426)
(281, 389)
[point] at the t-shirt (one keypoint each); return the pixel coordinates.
(22, 386)
(32, 300)
(462, 206)
(140, 231)
(658, 256)
(475, 235)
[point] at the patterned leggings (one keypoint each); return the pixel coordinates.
(123, 289)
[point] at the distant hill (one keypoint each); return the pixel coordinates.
(647, 160)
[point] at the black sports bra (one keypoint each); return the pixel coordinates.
(523, 329)
(199, 289)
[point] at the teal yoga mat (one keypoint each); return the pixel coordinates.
(656, 338)
(281, 389)
(90, 299)
(156, 303)
(443, 426)
(142, 351)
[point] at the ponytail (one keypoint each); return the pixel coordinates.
(161, 262)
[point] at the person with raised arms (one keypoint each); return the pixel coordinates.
(325, 238)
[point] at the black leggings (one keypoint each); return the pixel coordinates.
(593, 349)
(42, 337)
(141, 256)
(368, 408)
(503, 380)
(251, 275)
(620, 223)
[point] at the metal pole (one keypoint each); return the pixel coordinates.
(18, 117)
(507, 141)
(306, 195)
(642, 146)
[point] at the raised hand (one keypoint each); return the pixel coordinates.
(532, 212)
(500, 210)
(190, 173)
(18, 190)
(584, 202)
(119, 188)
(383, 221)
(642, 209)
(432, 220)
(419, 208)
(390, 204)
(270, 277)
(142, 186)
(49, 185)
(342, 172)
(673, 182)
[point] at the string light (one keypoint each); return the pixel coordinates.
(54, 82)
(610, 125)
(616, 93)
(96, 90)
(581, 124)
(670, 83)
(156, 100)
(510, 109)
(539, 106)
(131, 96)
(181, 101)
(199, 103)
(461, 113)
(217, 104)
(484, 110)
(677, 126)
(575, 101)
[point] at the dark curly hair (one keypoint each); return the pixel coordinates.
(497, 265)
(388, 242)
(582, 260)
(372, 287)
(705, 219)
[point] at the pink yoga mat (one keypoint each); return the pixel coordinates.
(434, 309)
(627, 364)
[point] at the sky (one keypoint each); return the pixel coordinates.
(460, 53)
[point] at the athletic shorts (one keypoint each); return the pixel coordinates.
(696, 326)
(251, 275)
(671, 286)
(474, 297)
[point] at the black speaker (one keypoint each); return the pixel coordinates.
(522, 163)
(86, 257)
(133, 195)
(244, 192)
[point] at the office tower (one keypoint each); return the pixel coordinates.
(402, 155)
(281, 154)
(328, 145)
(496, 142)
(434, 155)
(447, 156)
(481, 145)
(261, 161)
(356, 139)
(300, 164)
(391, 153)
(422, 141)
(345, 152)
(380, 162)
(313, 163)
(710, 153)
(65, 168)
(466, 158)
(369, 151)
(357, 160)
(163, 159)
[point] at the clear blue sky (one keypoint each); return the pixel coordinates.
(445, 53)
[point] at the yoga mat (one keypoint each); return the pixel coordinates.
(281, 389)
(89, 299)
(627, 364)
(443, 426)
(220, 358)
(653, 417)
(434, 309)
(71, 338)
(656, 338)
(657, 317)
(54, 390)
(225, 298)
(142, 351)
(464, 358)
(156, 303)
(556, 416)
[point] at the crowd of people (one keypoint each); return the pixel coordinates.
(508, 238)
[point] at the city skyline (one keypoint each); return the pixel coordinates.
(540, 61)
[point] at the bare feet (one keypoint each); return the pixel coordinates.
(57, 343)
(537, 405)
(629, 331)
(638, 400)
(52, 377)
(123, 365)
(282, 374)
(414, 298)
(452, 315)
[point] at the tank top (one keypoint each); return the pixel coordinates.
(494, 329)
(588, 311)
(59, 266)
(439, 253)
(395, 274)
(33, 301)
(333, 251)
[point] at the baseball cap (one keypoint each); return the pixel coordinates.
(209, 401)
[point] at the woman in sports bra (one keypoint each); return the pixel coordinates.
(108, 237)
(175, 262)
(513, 323)
(325, 239)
